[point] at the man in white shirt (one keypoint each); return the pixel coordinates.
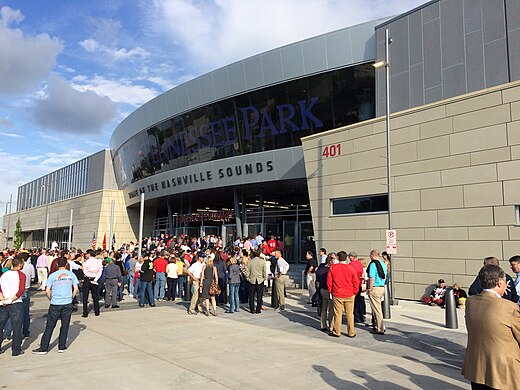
(195, 272)
(282, 267)
(259, 239)
(12, 288)
(92, 269)
(322, 255)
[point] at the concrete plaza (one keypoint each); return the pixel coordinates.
(164, 348)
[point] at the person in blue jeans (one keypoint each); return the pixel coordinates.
(233, 274)
(146, 283)
(61, 288)
(12, 288)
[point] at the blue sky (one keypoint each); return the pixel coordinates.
(70, 71)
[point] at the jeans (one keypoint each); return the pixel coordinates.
(26, 301)
(121, 288)
(172, 288)
(137, 288)
(63, 312)
(146, 288)
(222, 298)
(180, 286)
(234, 300)
(14, 312)
(160, 280)
(131, 283)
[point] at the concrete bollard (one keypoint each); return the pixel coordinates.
(452, 322)
(386, 304)
(187, 289)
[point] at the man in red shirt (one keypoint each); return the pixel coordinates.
(159, 266)
(271, 245)
(360, 309)
(343, 283)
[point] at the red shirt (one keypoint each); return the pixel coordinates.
(160, 264)
(358, 267)
(271, 246)
(343, 281)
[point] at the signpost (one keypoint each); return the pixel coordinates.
(391, 242)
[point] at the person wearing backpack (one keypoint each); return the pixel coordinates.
(376, 289)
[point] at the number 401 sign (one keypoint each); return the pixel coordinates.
(331, 151)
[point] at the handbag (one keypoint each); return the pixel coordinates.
(214, 289)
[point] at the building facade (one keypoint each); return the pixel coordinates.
(291, 142)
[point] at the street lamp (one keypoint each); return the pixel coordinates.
(386, 65)
(8, 219)
(46, 233)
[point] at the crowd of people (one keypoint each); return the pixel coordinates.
(202, 271)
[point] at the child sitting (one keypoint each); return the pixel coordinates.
(437, 295)
(460, 296)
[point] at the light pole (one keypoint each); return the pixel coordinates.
(386, 65)
(8, 219)
(46, 232)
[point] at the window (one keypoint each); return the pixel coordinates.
(266, 119)
(517, 213)
(360, 204)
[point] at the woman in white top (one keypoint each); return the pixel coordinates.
(171, 278)
(137, 279)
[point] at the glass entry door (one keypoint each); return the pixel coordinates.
(289, 240)
(306, 235)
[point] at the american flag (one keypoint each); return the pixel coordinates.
(94, 242)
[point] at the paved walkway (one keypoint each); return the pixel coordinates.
(164, 348)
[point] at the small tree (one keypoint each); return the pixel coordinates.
(17, 241)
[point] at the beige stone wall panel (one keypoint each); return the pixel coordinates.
(403, 153)
(431, 165)
(511, 94)
(484, 194)
(404, 135)
(513, 133)
(446, 233)
(512, 192)
(433, 147)
(400, 263)
(482, 118)
(370, 159)
(474, 103)
(417, 181)
(415, 219)
(504, 215)
(478, 216)
(491, 156)
(436, 128)
(508, 170)
(442, 198)
(469, 175)
(479, 139)
(458, 249)
(406, 201)
(438, 264)
(486, 233)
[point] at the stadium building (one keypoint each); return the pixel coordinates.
(292, 142)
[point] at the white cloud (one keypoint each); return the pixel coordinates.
(217, 32)
(10, 135)
(25, 60)
(93, 46)
(121, 91)
(66, 109)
